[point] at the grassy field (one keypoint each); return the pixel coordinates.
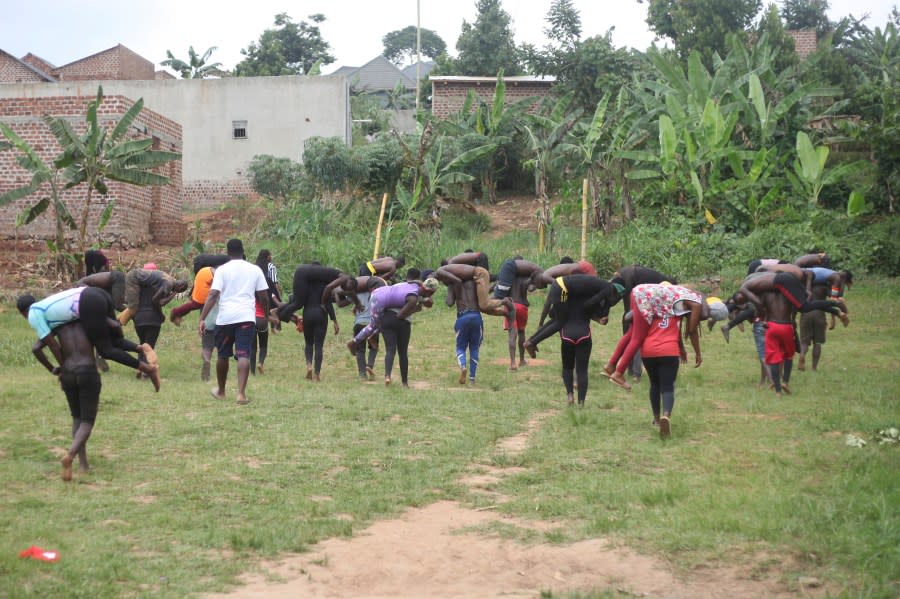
(187, 492)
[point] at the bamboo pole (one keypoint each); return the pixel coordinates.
(584, 219)
(380, 222)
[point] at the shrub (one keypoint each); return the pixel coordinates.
(275, 178)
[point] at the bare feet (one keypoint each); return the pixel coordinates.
(153, 373)
(513, 368)
(316, 377)
(726, 333)
(844, 318)
(102, 366)
(619, 379)
(462, 376)
(260, 369)
(215, 393)
(608, 370)
(66, 467)
(309, 373)
(387, 381)
(665, 427)
(176, 320)
(149, 354)
(785, 389)
(801, 363)
(242, 400)
(370, 374)
(570, 399)
(531, 349)
(523, 362)
(352, 346)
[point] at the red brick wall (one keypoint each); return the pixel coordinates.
(13, 71)
(141, 214)
(448, 97)
(804, 41)
(38, 62)
(211, 195)
(117, 63)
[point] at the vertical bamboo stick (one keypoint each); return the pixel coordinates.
(584, 219)
(380, 222)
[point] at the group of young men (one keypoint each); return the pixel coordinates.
(238, 300)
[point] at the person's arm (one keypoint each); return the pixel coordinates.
(329, 309)
(262, 296)
(446, 277)
(682, 352)
(412, 303)
(167, 299)
(545, 312)
(211, 300)
(38, 350)
(692, 325)
(339, 297)
(752, 298)
(451, 297)
(330, 287)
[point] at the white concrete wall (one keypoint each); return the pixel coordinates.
(281, 113)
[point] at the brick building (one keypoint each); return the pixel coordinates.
(804, 41)
(141, 214)
(448, 93)
(218, 125)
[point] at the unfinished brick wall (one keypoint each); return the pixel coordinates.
(116, 63)
(38, 62)
(804, 41)
(448, 96)
(141, 214)
(13, 71)
(211, 195)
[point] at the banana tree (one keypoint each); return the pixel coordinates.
(810, 174)
(545, 135)
(42, 176)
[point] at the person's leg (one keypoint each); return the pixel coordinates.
(372, 343)
(634, 367)
(224, 352)
(488, 305)
(741, 317)
(511, 334)
(475, 338)
(262, 335)
(207, 344)
(360, 354)
(567, 356)
(82, 389)
(816, 355)
(582, 360)
(179, 312)
(389, 333)
(404, 333)
(651, 365)
(243, 339)
(254, 349)
(638, 331)
(94, 308)
(462, 342)
(521, 344)
(321, 331)
(668, 371)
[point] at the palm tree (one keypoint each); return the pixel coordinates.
(195, 67)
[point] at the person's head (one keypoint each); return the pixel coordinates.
(235, 249)
(848, 278)
(23, 303)
(263, 258)
(413, 274)
(482, 261)
(715, 309)
(95, 261)
(566, 260)
(400, 261)
(428, 286)
(426, 273)
(518, 257)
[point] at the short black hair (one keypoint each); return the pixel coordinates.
(413, 274)
(24, 302)
(848, 277)
(235, 248)
(566, 260)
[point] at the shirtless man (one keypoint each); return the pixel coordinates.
(469, 328)
(385, 267)
(80, 381)
(455, 274)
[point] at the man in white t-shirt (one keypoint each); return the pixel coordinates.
(237, 286)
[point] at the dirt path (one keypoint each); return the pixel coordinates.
(443, 550)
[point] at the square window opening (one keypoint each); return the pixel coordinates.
(239, 129)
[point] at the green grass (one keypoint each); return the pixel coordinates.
(187, 492)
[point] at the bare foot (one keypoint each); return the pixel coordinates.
(387, 381)
(844, 319)
(619, 379)
(726, 333)
(153, 373)
(462, 376)
(176, 320)
(512, 368)
(66, 462)
(309, 374)
(370, 374)
(316, 377)
(531, 348)
(523, 362)
(665, 427)
(260, 369)
(352, 347)
(785, 389)
(608, 370)
(570, 399)
(215, 393)
(242, 400)
(149, 353)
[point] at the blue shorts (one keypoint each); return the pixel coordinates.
(235, 339)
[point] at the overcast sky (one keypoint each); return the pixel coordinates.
(61, 31)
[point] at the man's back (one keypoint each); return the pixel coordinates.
(237, 282)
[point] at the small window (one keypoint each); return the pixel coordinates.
(239, 129)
